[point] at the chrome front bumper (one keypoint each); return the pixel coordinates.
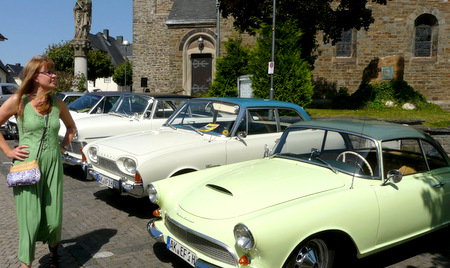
(123, 185)
(158, 236)
(71, 160)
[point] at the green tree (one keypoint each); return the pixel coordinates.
(229, 68)
(329, 17)
(292, 76)
(99, 65)
(119, 74)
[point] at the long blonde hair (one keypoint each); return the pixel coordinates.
(31, 69)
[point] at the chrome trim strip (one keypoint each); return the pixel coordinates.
(202, 236)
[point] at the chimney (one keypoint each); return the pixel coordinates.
(106, 33)
(119, 39)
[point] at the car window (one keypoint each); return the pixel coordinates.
(288, 117)
(261, 121)
(434, 157)
(9, 89)
(404, 155)
(164, 109)
(84, 103)
(342, 151)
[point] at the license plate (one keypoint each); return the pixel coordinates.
(105, 181)
(181, 251)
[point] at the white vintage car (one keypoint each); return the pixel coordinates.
(204, 132)
(131, 113)
(94, 103)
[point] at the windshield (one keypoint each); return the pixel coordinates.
(133, 105)
(206, 116)
(340, 151)
(84, 103)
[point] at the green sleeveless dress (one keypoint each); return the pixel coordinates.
(39, 206)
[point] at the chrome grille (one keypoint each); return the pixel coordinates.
(205, 245)
(76, 146)
(108, 165)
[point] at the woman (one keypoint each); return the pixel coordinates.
(38, 206)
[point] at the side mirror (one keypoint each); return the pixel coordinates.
(266, 150)
(242, 135)
(393, 174)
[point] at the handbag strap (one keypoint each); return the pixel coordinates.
(42, 138)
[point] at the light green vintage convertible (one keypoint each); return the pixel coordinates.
(330, 191)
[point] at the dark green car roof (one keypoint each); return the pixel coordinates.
(376, 129)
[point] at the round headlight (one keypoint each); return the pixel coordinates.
(152, 194)
(92, 154)
(244, 238)
(129, 165)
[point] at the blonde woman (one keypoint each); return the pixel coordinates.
(38, 206)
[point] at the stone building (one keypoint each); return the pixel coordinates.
(175, 45)
(409, 40)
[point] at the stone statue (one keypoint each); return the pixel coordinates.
(82, 13)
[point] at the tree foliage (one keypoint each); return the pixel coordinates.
(119, 74)
(99, 64)
(327, 16)
(292, 76)
(229, 68)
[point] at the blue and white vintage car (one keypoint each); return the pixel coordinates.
(202, 133)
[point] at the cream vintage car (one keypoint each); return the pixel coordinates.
(130, 113)
(203, 133)
(331, 191)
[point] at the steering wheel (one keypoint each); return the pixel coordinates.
(357, 155)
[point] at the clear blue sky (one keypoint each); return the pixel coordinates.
(32, 25)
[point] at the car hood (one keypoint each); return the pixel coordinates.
(153, 141)
(258, 185)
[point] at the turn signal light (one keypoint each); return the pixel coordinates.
(157, 213)
(83, 158)
(244, 261)
(137, 177)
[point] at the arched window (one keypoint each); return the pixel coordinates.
(426, 31)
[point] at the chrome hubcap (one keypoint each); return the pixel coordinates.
(313, 255)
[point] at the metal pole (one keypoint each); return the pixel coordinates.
(273, 48)
(218, 29)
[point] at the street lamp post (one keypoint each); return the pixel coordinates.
(125, 43)
(271, 93)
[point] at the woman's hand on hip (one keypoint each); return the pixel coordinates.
(19, 153)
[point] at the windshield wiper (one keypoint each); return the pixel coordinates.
(170, 125)
(196, 130)
(315, 155)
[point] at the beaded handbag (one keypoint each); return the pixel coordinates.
(26, 173)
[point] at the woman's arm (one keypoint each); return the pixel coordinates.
(67, 119)
(7, 110)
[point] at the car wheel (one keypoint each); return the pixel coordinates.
(314, 253)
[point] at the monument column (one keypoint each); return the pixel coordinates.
(82, 13)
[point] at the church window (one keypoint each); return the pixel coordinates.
(425, 35)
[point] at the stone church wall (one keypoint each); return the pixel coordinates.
(391, 38)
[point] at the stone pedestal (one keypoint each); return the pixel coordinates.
(81, 49)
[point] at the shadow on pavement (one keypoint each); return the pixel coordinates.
(135, 207)
(81, 249)
(434, 244)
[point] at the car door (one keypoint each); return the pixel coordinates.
(261, 127)
(420, 201)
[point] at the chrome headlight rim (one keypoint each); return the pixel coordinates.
(152, 194)
(93, 154)
(127, 165)
(244, 237)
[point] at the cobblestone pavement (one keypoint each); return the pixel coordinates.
(102, 229)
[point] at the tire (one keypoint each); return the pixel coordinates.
(313, 253)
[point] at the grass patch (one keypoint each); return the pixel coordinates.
(432, 117)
